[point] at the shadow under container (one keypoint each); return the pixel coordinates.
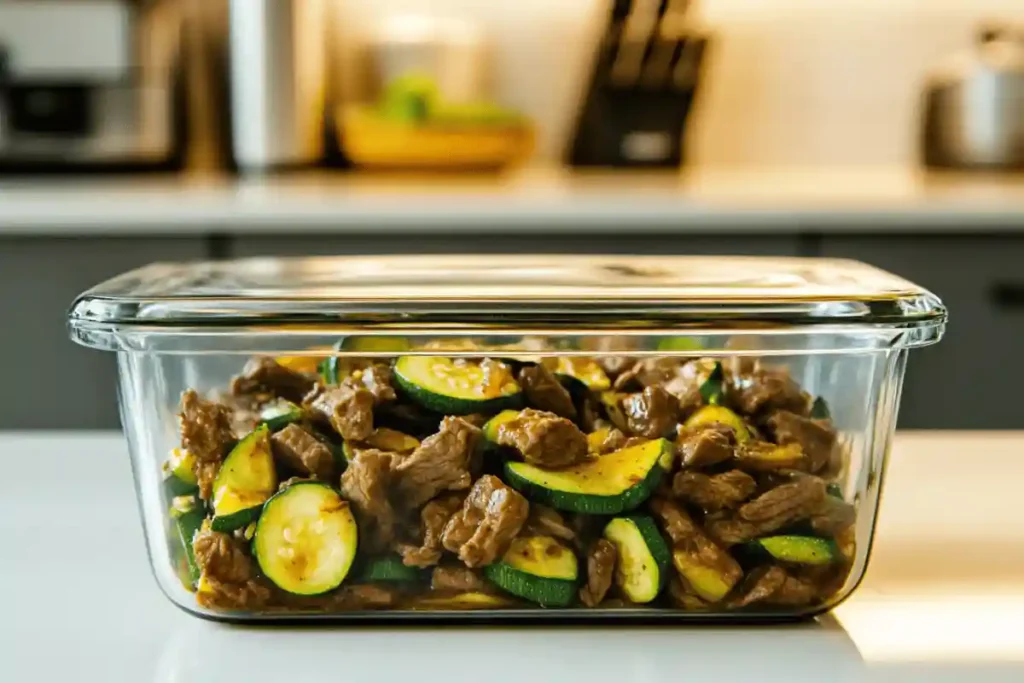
(642, 439)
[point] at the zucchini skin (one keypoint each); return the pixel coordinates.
(587, 503)
(186, 524)
(544, 591)
(646, 531)
(450, 405)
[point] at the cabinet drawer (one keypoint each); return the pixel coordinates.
(51, 382)
(970, 379)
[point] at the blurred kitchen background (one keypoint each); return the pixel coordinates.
(890, 131)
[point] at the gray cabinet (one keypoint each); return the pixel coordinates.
(970, 380)
(50, 382)
(508, 241)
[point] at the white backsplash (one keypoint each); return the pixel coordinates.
(788, 82)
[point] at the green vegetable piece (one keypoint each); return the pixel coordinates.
(713, 388)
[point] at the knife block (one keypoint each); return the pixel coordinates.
(634, 125)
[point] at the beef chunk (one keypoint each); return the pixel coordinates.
(229, 574)
(456, 579)
(718, 492)
(544, 391)
(794, 592)
(302, 452)
(356, 597)
(678, 376)
(265, 375)
(674, 521)
(440, 463)
(816, 438)
(706, 446)
(433, 518)
(833, 516)
(376, 378)
(245, 411)
(707, 569)
(545, 521)
(491, 517)
(544, 439)
(365, 484)
(207, 434)
(730, 530)
(600, 571)
(653, 413)
(349, 410)
(610, 442)
(784, 504)
(759, 585)
(761, 389)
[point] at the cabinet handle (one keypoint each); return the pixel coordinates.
(1007, 295)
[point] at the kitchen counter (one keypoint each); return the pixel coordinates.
(531, 200)
(943, 600)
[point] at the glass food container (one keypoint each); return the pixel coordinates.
(522, 437)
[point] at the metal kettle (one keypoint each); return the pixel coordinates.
(973, 114)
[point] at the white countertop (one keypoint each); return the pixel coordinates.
(531, 200)
(943, 600)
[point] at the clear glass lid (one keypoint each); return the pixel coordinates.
(479, 294)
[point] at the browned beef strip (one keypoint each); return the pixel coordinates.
(206, 433)
(433, 518)
(833, 516)
(229, 573)
(759, 585)
(729, 530)
(653, 413)
(762, 389)
(784, 504)
(302, 452)
(674, 521)
(265, 375)
(712, 493)
(545, 521)
(457, 579)
(600, 571)
(762, 456)
(349, 410)
(440, 463)
(794, 592)
(365, 484)
(544, 391)
(376, 378)
(356, 597)
(706, 446)
(245, 410)
(682, 596)
(544, 439)
(816, 438)
(647, 372)
(490, 518)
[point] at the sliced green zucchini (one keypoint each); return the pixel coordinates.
(306, 539)
(332, 369)
(280, 414)
(679, 344)
(179, 473)
(808, 550)
(643, 562)
(375, 344)
(388, 568)
(586, 371)
(538, 569)
(187, 517)
(608, 485)
(713, 388)
(820, 409)
(719, 414)
(596, 439)
(244, 483)
(460, 386)
(463, 601)
(490, 428)
(710, 582)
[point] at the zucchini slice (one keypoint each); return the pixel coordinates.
(186, 518)
(712, 414)
(538, 569)
(306, 539)
(245, 481)
(458, 386)
(711, 583)
(713, 388)
(679, 344)
(808, 550)
(612, 403)
(280, 414)
(388, 568)
(584, 370)
(643, 563)
(179, 473)
(820, 409)
(490, 428)
(375, 344)
(613, 483)
(462, 601)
